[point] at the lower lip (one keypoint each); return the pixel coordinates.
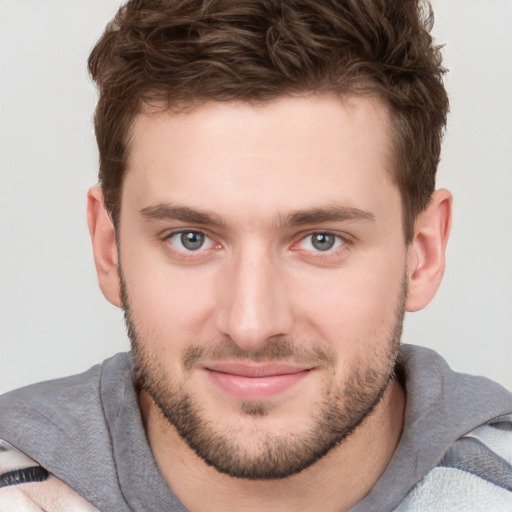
(255, 388)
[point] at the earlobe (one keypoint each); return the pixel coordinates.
(426, 252)
(103, 239)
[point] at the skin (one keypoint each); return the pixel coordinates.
(259, 281)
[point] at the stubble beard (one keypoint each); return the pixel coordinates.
(337, 415)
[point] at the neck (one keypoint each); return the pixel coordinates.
(339, 480)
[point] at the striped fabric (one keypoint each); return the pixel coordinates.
(27, 487)
(475, 474)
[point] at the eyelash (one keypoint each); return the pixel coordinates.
(343, 241)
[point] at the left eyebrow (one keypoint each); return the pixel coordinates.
(329, 214)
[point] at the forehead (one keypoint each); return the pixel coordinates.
(313, 149)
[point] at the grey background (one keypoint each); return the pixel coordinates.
(53, 318)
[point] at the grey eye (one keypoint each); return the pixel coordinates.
(192, 240)
(323, 241)
(189, 241)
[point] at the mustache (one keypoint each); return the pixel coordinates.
(273, 350)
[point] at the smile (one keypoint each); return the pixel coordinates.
(255, 382)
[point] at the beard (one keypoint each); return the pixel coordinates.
(337, 414)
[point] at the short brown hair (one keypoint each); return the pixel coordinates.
(186, 52)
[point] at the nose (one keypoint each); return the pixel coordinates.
(254, 304)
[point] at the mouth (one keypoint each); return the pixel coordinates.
(248, 381)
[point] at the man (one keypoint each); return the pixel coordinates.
(265, 216)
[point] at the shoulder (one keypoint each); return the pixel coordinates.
(431, 468)
(62, 426)
(475, 473)
(459, 436)
(461, 400)
(63, 406)
(69, 396)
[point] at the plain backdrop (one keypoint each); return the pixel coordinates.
(54, 320)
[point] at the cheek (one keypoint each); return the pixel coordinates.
(356, 309)
(168, 304)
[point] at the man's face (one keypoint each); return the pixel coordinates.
(263, 261)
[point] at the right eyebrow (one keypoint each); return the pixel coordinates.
(164, 211)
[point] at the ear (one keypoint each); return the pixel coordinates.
(104, 246)
(426, 252)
